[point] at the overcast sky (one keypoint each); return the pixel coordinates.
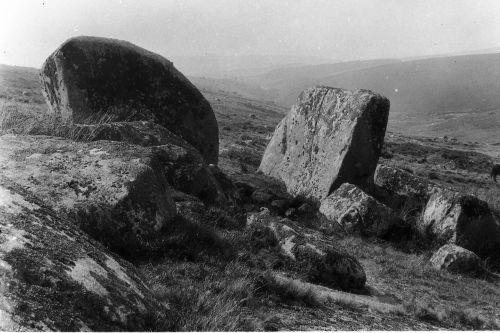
(337, 29)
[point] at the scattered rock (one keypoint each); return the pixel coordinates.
(262, 197)
(249, 207)
(114, 191)
(450, 217)
(395, 187)
(306, 209)
(192, 210)
(290, 212)
(456, 259)
(54, 278)
(356, 211)
(91, 80)
(227, 187)
(311, 253)
(244, 190)
(331, 136)
(280, 205)
(185, 170)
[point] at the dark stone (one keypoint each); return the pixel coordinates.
(92, 80)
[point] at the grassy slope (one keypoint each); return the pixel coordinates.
(436, 298)
(211, 293)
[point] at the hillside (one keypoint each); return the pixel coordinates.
(455, 96)
(285, 81)
(205, 292)
(217, 66)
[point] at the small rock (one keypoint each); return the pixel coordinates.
(450, 217)
(280, 205)
(192, 210)
(357, 211)
(245, 187)
(262, 197)
(306, 208)
(331, 268)
(290, 212)
(456, 259)
(307, 248)
(249, 207)
(262, 236)
(394, 187)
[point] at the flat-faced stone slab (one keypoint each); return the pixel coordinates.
(330, 136)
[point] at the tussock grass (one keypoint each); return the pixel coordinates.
(186, 240)
(288, 291)
(203, 297)
(247, 157)
(431, 295)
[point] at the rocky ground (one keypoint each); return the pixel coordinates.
(214, 278)
(398, 271)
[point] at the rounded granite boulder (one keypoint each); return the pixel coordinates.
(92, 80)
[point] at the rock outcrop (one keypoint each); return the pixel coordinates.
(322, 263)
(182, 164)
(116, 192)
(396, 187)
(330, 136)
(456, 259)
(91, 80)
(357, 212)
(54, 278)
(450, 217)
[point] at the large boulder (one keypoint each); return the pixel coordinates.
(91, 80)
(115, 191)
(330, 136)
(451, 217)
(185, 169)
(309, 251)
(397, 187)
(357, 212)
(54, 278)
(456, 259)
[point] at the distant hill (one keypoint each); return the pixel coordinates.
(216, 66)
(455, 96)
(430, 96)
(286, 83)
(232, 86)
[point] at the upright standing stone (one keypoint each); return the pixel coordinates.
(331, 136)
(91, 80)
